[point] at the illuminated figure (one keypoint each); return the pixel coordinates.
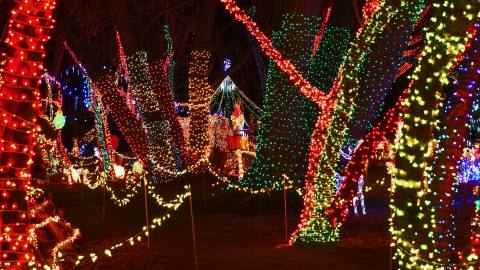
(360, 198)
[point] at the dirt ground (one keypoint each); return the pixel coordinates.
(233, 231)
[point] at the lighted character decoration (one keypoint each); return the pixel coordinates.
(221, 132)
(359, 199)
(119, 171)
(75, 148)
(468, 166)
(338, 181)
(238, 142)
(73, 176)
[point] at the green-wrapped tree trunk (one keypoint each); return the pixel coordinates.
(286, 126)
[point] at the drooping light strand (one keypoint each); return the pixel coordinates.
(284, 64)
(170, 60)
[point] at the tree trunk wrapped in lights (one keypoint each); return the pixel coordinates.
(127, 123)
(413, 212)
(454, 129)
(159, 75)
(324, 66)
(199, 88)
(379, 72)
(19, 103)
(200, 93)
(160, 148)
(475, 229)
(287, 122)
(328, 137)
(377, 84)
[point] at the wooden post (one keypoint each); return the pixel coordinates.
(193, 231)
(103, 202)
(285, 206)
(146, 210)
(204, 191)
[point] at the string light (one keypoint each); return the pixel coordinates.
(170, 61)
(261, 67)
(283, 64)
(156, 223)
(328, 137)
(160, 148)
(287, 122)
(23, 54)
(450, 144)
(200, 93)
(413, 211)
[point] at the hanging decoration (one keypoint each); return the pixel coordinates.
(100, 118)
(227, 95)
(59, 120)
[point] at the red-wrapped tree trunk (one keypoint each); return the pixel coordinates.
(23, 53)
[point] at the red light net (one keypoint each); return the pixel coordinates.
(21, 58)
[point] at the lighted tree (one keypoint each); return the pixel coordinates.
(413, 211)
(23, 52)
(379, 71)
(453, 130)
(328, 137)
(199, 87)
(148, 73)
(287, 122)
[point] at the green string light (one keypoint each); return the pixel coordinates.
(286, 126)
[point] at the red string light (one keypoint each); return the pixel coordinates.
(267, 47)
(19, 102)
(358, 164)
(127, 123)
(321, 30)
